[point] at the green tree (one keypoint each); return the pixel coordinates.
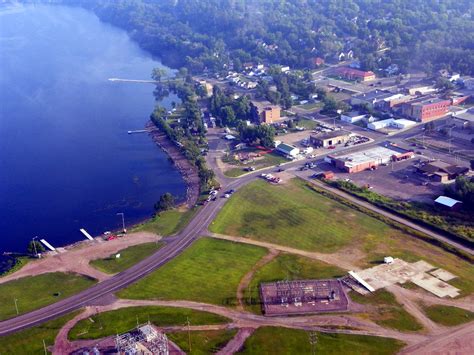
(165, 203)
(157, 74)
(31, 247)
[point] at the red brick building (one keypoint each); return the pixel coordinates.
(355, 74)
(424, 110)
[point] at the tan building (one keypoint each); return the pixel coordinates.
(329, 139)
(269, 114)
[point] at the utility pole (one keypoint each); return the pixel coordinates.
(44, 347)
(189, 333)
(313, 340)
(16, 306)
(34, 246)
(123, 221)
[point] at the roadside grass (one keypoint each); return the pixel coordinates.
(128, 257)
(286, 267)
(447, 315)
(202, 342)
(30, 341)
(294, 216)
(276, 340)
(167, 222)
(270, 159)
(209, 271)
(34, 292)
(299, 215)
(386, 311)
(122, 320)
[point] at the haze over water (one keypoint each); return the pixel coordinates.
(66, 160)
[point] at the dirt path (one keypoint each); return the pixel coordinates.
(245, 281)
(76, 259)
(421, 296)
(62, 345)
(335, 259)
(236, 343)
(414, 309)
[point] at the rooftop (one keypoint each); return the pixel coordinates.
(374, 95)
(446, 201)
(285, 147)
(369, 155)
(466, 115)
(332, 134)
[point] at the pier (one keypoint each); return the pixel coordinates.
(134, 81)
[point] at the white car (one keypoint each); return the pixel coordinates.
(226, 195)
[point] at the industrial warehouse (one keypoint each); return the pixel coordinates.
(302, 297)
(370, 158)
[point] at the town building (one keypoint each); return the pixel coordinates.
(419, 89)
(352, 117)
(369, 159)
(371, 98)
(464, 119)
(355, 74)
(318, 61)
(329, 138)
(441, 171)
(426, 109)
(390, 123)
(269, 114)
(288, 150)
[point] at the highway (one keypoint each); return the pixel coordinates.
(174, 246)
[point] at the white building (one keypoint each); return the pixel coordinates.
(403, 123)
(288, 149)
(380, 124)
(352, 117)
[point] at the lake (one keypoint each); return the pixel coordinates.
(66, 160)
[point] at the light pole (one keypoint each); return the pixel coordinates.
(16, 306)
(34, 246)
(123, 221)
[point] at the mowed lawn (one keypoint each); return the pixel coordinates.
(293, 215)
(167, 222)
(30, 341)
(128, 257)
(276, 341)
(447, 315)
(122, 320)
(202, 342)
(209, 271)
(287, 267)
(34, 292)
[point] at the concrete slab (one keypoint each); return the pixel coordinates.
(443, 274)
(435, 286)
(422, 266)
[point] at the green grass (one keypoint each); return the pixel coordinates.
(209, 271)
(128, 257)
(124, 319)
(447, 315)
(386, 311)
(294, 216)
(30, 341)
(34, 292)
(308, 124)
(276, 341)
(270, 159)
(311, 106)
(202, 342)
(168, 222)
(287, 267)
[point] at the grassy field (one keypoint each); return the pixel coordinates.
(447, 315)
(287, 267)
(270, 159)
(311, 106)
(202, 342)
(307, 124)
(128, 257)
(30, 341)
(296, 215)
(386, 311)
(34, 292)
(293, 215)
(275, 341)
(209, 271)
(168, 222)
(124, 319)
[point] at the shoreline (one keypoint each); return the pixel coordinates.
(187, 170)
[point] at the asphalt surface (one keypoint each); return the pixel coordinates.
(174, 246)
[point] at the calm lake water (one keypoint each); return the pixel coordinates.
(66, 160)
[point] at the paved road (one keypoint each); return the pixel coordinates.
(197, 226)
